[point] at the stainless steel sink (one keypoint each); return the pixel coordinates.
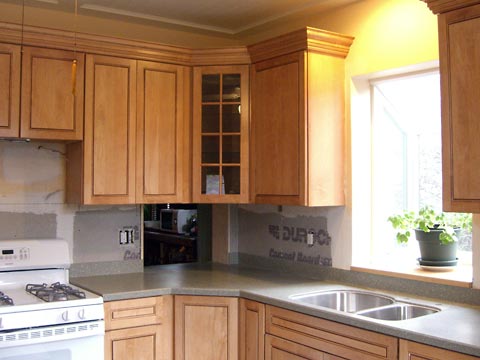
(399, 311)
(350, 301)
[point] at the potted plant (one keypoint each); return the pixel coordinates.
(437, 233)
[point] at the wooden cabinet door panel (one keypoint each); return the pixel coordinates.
(134, 343)
(252, 330)
(278, 128)
(410, 350)
(51, 109)
(110, 109)
(162, 133)
(459, 34)
(281, 349)
(9, 90)
(206, 328)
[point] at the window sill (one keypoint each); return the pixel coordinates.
(461, 276)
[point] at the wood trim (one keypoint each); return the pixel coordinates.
(330, 337)
(306, 39)
(410, 350)
(442, 6)
(252, 330)
(13, 74)
(134, 49)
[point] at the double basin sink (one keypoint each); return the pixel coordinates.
(370, 305)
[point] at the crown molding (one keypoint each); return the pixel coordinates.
(442, 6)
(306, 39)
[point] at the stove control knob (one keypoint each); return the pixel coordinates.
(81, 314)
(65, 316)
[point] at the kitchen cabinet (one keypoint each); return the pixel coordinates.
(101, 170)
(281, 349)
(206, 328)
(336, 341)
(139, 329)
(163, 133)
(252, 330)
(220, 134)
(297, 119)
(51, 95)
(10, 90)
(459, 45)
(410, 350)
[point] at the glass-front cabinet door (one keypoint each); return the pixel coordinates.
(220, 134)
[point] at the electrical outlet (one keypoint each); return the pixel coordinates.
(310, 239)
(126, 235)
(122, 237)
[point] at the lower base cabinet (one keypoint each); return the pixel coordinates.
(281, 349)
(410, 350)
(140, 329)
(206, 328)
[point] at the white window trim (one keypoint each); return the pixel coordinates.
(361, 160)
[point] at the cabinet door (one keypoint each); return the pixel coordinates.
(109, 144)
(134, 343)
(252, 330)
(220, 134)
(52, 95)
(278, 130)
(163, 133)
(459, 37)
(10, 90)
(410, 350)
(206, 328)
(280, 349)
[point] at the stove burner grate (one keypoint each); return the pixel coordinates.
(54, 292)
(5, 299)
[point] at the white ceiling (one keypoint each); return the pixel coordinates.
(223, 16)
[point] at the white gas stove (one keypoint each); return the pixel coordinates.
(41, 315)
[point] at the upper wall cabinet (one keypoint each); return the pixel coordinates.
(220, 134)
(163, 133)
(9, 90)
(52, 96)
(297, 119)
(459, 43)
(101, 170)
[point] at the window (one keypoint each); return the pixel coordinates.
(405, 162)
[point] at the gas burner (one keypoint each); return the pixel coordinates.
(5, 299)
(54, 292)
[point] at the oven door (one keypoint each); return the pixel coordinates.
(38, 344)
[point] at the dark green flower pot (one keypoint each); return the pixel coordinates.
(431, 249)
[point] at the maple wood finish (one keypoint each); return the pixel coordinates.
(329, 337)
(297, 136)
(206, 328)
(459, 38)
(50, 106)
(10, 90)
(108, 156)
(281, 349)
(252, 330)
(199, 135)
(441, 6)
(163, 133)
(139, 329)
(410, 350)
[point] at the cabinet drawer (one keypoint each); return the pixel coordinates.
(330, 337)
(138, 312)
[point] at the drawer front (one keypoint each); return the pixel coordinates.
(330, 337)
(138, 312)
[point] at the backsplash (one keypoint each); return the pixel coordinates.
(32, 184)
(281, 236)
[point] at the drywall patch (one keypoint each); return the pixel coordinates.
(28, 225)
(284, 238)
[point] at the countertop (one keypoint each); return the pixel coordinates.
(456, 327)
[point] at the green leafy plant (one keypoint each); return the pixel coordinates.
(427, 219)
